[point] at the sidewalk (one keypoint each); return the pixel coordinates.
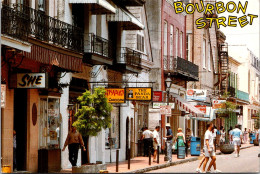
(140, 164)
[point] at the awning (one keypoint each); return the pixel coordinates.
(127, 20)
(212, 116)
(51, 57)
(99, 6)
(185, 105)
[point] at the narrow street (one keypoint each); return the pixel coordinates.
(247, 162)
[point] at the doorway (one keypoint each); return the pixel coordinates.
(127, 138)
(20, 126)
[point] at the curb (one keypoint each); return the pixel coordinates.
(160, 166)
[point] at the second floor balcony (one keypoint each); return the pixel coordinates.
(129, 60)
(97, 51)
(132, 2)
(180, 68)
(22, 22)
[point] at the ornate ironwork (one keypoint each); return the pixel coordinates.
(98, 45)
(180, 66)
(25, 20)
(130, 57)
(14, 23)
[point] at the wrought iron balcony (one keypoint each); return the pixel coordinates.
(132, 2)
(129, 60)
(97, 50)
(181, 68)
(14, 23)
(42, 27)
(242, 95)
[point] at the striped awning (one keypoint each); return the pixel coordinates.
(51, 57)
(186, 106)
(103, 5)
(127, 20)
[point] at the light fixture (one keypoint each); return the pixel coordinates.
(168, 82)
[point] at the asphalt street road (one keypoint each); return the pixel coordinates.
(246, 163)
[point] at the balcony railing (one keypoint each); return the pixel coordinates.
(44, 27)
(130, 57)
(14, 23)
(132, 2)
(182, 67)
(98, 45)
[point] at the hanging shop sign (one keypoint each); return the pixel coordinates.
(139, 94)
(157, 96)
(158, 105)
(31, 80)
(115, 95)
(165, 110)
(255, 116)
(218, 104)
(196, 94)
(3, 95)
(202, 108)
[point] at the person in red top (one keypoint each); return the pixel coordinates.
(73, 140)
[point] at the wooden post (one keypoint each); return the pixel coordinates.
(117, 156)
(149, 154)
(158, 154)
(128, 158)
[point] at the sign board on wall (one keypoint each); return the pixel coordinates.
(196, 94)
(3, 95)
(255, 116)
(157, 96)
(31, 80)
(202, 108)
(218, 104)
(141, 94)
(166, 110)
(158, 105)
(115, 95)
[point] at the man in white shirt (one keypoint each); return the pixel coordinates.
(214, 135)
(147, 138)
(156, 141)
(236, 138)
(209, 149)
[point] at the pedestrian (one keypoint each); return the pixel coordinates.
(73, 140)
(245, 136)
(214, 134)
(14, 152)
(169, 143)
(237, 138)
(229, 134)
(156, 142)
(209, 150)
(180, 138)
(222, 135)
(147, 138)
(258, 136)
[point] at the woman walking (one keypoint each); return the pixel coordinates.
(222, 135)
(245, 136)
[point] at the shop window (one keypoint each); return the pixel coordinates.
(140, 43)
(112, 135)
(49, 123)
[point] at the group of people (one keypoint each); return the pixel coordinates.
(152, 139)
(236, 136)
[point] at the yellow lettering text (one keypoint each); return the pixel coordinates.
(200, 23)
(221, 21)
(240, 7)
(252, 18)
(202, 6)
(178, 6)
(187, 9)
(220, 7)
(232, 4)
(243, 21)
(209, 8)
(232, 19)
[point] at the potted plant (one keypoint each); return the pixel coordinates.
(92, 116)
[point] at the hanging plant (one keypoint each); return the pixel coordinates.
(227, 109)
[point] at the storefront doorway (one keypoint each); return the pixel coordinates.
(20, 126)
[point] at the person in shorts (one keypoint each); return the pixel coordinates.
(209, 149)
(156, 142)
(236, 137)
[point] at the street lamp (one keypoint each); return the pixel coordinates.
(168, 83)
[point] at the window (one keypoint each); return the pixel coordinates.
(165, 45)
(140, 43)
(171, 40)
(41, 5)
(204, 53)
(188, 57)
(209, 58)
(49, 123)
(177, 42)
(181, 44)
(112, 135)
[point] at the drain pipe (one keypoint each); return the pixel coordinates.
(0, 91)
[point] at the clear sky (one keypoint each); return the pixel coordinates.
(249, 34)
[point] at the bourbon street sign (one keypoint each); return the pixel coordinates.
(115, 95)
(139, 94)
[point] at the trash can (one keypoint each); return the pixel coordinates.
(195, 146)
(252, 138)
(181, 152)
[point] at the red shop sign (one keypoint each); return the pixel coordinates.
(157, 96)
